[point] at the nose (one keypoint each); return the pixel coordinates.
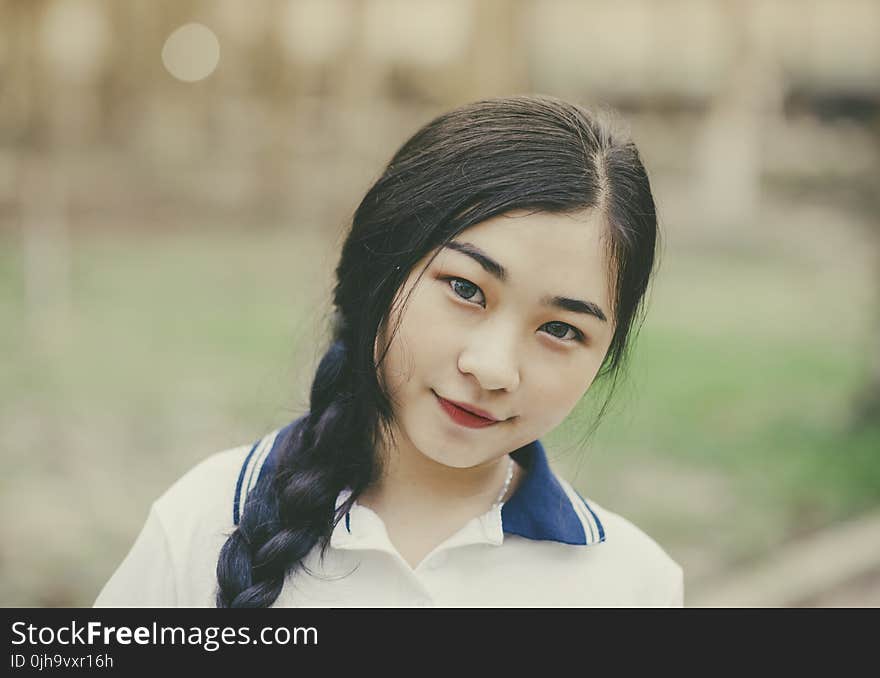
(490, 355)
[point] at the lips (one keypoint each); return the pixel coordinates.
(462, 416)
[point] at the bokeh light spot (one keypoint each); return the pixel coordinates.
(191, 52)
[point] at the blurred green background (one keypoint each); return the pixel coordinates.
(176, 178)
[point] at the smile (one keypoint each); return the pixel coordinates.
(463, 417)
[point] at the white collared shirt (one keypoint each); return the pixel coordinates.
(545, 546)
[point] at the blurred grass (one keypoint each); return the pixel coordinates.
(731, 434)
(734, 432)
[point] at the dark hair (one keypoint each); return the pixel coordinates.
(475, 162)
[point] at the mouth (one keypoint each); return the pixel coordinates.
(462, 416)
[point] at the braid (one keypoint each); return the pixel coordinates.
(293, 508)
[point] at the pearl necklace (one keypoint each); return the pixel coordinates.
(506, 482)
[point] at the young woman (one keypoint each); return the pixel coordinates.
(492, 273)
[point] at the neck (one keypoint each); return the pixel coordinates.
(414, 483)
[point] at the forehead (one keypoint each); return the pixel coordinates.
(546, 253)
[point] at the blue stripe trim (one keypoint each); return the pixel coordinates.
(249, 483)
(266, 464)
(235, 507)
(271, 459)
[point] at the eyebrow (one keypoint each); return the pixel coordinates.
(498, 271)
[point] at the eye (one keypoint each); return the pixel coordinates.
(464, 289)
(559, 330)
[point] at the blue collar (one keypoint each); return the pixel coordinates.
(542, 508)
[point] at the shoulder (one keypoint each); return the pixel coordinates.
(206, 492)
(198, 513)
(214, 491)
(631, 557)
(209, 497)
(174, 557)
(622, 535)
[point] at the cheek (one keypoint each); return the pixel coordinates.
(589, 370)
(396, 367)
(417, 343)
(554, 395)
(429, 325)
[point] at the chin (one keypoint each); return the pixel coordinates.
(456, 457)
(446, 458)
(455, 463)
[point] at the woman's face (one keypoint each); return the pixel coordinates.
(482, 328)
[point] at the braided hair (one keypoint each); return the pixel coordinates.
(465, 166)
